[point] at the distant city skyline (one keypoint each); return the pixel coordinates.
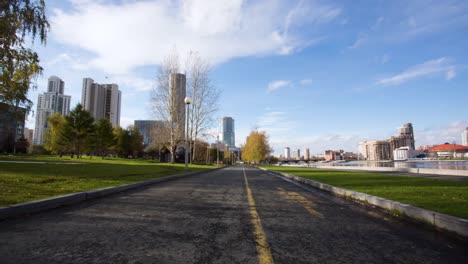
(316, 74)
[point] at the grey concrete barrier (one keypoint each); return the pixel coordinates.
(73, 198)
(439, 220)
(406, 170)
(41, 205)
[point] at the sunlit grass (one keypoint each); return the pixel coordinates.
(22, 182)
(445, 196)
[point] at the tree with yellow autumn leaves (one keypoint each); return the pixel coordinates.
(256, 147)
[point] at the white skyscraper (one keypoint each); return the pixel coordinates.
(48, 103)
(306, 154)
(287, 153)
(464, 135)
(297, 154)
(102, 100)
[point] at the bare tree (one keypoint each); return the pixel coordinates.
(204, 97)
(160, 135)
(166, 104)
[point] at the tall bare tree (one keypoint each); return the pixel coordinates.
(166, 105)
(204, 95)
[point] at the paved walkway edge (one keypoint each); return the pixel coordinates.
(443, 221)
(73, 198)
(444, 172)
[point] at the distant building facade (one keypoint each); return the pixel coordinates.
(306, 154)
(9, 119)
(405, 153)
(464, 136)
(102, 101)
(29, 135)
(227, 134)
(297, 154)
(147, 130)
(177, 93)
(333, 155)
(448, 150)
(383, 149)
(51, 102)
(287, 153)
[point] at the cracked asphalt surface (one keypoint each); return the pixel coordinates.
(206, 219)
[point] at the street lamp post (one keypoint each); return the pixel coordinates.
(217, 151)
(187, 101)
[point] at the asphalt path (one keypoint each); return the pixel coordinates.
(234, 215)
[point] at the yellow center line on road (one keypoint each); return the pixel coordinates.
(263, 249)
(296, 197)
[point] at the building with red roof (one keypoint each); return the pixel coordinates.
(450, 150)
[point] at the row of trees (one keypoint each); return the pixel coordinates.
(77, 133)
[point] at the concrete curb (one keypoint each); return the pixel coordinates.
(444, 172)
(443, 221)
(73, 198)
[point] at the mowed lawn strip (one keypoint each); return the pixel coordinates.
(23, 182)
(444, 196)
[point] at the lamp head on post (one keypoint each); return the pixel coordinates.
(187, 101)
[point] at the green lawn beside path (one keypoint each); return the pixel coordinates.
(23, 182)
(444, 196)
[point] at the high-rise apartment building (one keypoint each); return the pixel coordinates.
(102, 101)
(227, 134)
(287, 153)
(306, 154)
(297, 154)
(464, 136)
(48, 103)
(383, 149)
(177, 93)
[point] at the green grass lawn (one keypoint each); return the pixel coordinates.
(22, 182)
(445, 196)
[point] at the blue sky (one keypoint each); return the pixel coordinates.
(316, 74)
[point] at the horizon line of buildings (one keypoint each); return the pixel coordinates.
(226, 136)
(400, 147)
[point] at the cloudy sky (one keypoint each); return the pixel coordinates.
(316, 74)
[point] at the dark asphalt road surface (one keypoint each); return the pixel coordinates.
(208, 219)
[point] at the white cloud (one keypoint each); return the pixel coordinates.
(305, 82)
(139, 84)
(451, 73)
(440, 134)
(275, 121)
(427, 68)
(379, 22)
(361, 39)
(126, 121)
(74, 62)
(275, 85)
(425, 17)
(131, 34)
